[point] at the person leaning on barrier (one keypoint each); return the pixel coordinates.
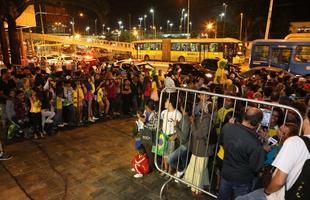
(197, 172)
(178, 158)
(244, 155)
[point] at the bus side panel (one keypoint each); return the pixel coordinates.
(166, 50)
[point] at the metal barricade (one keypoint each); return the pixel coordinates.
(210, 104)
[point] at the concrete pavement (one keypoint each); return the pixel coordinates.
(91, 162)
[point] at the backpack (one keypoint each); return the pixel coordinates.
(301, 188)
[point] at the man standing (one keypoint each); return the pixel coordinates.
(244, 155)
(291, 170)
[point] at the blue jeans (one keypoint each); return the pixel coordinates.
(230, 190)
(255, 195)
(174, 156)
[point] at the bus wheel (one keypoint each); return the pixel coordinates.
(146, 58)
(181, 59)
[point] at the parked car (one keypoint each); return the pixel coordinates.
(195, 69)
(65, 61)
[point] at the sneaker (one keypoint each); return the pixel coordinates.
(91, 120)
(44, 132)
(4, 156)
(49, 121)
(60, 125)
(138, 175)
(35, 136)
(179, 174)
(95, 118)
(65, 124)
(132, 169)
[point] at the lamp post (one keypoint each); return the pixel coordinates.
(241, 23)
(171, 25)
(185, 16)
(168, 22)
(268, 20)
(144, 22)
(108, 28)
(140, 22)
(225, 7)
(153, 22)
(188, 17)
(87, 30)
(181, 19)
(119, 24)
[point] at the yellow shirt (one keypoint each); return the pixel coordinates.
(78, 97)
(58, 103)
(35, 105)
(220, 76)
(100, 95)
(154, 86)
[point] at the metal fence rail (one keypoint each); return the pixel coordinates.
(199, 166)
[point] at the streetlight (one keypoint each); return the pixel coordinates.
(81, 14)
(241, 22)
(144, 21)
(87, 30)
(223, 15)
(140, 22)
(181, 19)
(185, 16)
(103, 25)
(120, 24)
(108, 28)
(152, 12)
(168, 22)
(171, 25)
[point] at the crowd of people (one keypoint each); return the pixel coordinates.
(35, 104)
(253, 138)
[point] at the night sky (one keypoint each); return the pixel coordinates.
(204, 10)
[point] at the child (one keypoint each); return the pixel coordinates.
(58, 117)
(140, 163)
(102, 99)
(35, 114)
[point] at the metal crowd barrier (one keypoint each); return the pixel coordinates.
(190, 97)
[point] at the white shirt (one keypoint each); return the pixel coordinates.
(291, 159)
(169, 120)
(169, 83)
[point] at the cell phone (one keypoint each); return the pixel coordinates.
(266, 118)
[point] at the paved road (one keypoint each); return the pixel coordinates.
(93, 163)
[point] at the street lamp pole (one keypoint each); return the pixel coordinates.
(168, 21)
(241, 22)
(225, 7)
(188, 13)
(268, 20)
(153, 27)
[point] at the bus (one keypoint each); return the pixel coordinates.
(189, 50)
(291, 54)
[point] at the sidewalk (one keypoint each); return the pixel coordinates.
(95, 161)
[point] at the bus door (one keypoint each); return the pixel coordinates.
(203, 50)
(166, 50)
(228, 51)
(281, 57)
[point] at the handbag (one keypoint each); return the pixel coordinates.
(147, 136)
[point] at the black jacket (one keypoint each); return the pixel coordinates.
(244, 155)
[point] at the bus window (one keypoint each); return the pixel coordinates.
(175, 46)
(281, 56)
(261, 53)
(194, 47)
(216, 47)
(302, 54)
(146, 46)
